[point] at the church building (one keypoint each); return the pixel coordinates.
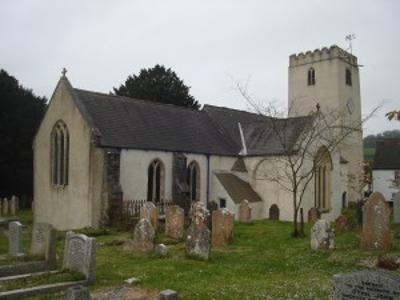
(93, 151)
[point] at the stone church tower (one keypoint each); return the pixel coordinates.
(330, 77)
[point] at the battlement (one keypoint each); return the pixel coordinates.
(322, 54)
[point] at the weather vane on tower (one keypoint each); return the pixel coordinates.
(349, 38)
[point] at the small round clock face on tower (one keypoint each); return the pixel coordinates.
(350, 105)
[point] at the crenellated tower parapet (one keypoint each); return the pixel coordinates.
(322, 54)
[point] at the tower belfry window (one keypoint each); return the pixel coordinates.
(311, 76)
(348, 77)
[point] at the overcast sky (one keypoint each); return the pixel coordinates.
(205, 42)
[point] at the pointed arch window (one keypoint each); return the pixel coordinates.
(193, 180)
(348, 77)
(311, 76)
(323, 179)
(60, 154)
(155, 181)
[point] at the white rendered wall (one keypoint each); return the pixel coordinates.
(382, 181)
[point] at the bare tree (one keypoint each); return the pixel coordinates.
(301, 140)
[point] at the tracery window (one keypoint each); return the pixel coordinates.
(323, 178)
(155, 181)
(193, 180)
(59, 154)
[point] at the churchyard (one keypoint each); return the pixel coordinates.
(260, 261)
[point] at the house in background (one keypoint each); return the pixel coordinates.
(93, 150)
(386, 168)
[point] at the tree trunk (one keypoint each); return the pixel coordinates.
(295, 232)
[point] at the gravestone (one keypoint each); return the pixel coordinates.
(5, 207)
(376, 234)
(13, 206)
(313, 215)
(342, 224)
(274, 212)
(150, 212)
(1, 206)
(366, 285)
(44, 242)
(198, 241)
(322, 236)
(143, 237)
(222, 227)
(174, 221)
(244, 212)
(15, 238)
(161, 250)
(396, 208)
(168, 295)
(78, 292)
(80, 255)
(199, 213)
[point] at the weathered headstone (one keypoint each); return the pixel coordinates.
(5, 207)
(322, 236)
(13, 206)
(150, 212)
(15, 238)
(143, 237)
(366, 285)
(80, 254)
(313, 215)
(44, 242)
(274, 212)
(78, 292)
(396, 208)
(168, 295)
(174, 221)
(376, 234)
(342, 224)
(161, 250)
(199, 213)
(222, 227)
(244, 212)
(198, 241)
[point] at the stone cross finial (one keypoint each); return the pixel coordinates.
(64, 72)
(318, 107)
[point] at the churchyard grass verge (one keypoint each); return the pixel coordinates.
(263, 262)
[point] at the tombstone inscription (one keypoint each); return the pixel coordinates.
(274, 212)
(222, 227)
(376, 234)
(15, 238)
(365, 285)
(44, 242)
(244, 212)
(174, 221)
(80, 254)
(150, 212)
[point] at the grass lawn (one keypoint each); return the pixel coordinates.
(263, 262)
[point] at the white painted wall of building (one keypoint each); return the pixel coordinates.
(382, 181)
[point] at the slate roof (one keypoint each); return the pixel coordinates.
(126, 123)
(237, 188)
(387, 154)
(274, 136)
(130, 123)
